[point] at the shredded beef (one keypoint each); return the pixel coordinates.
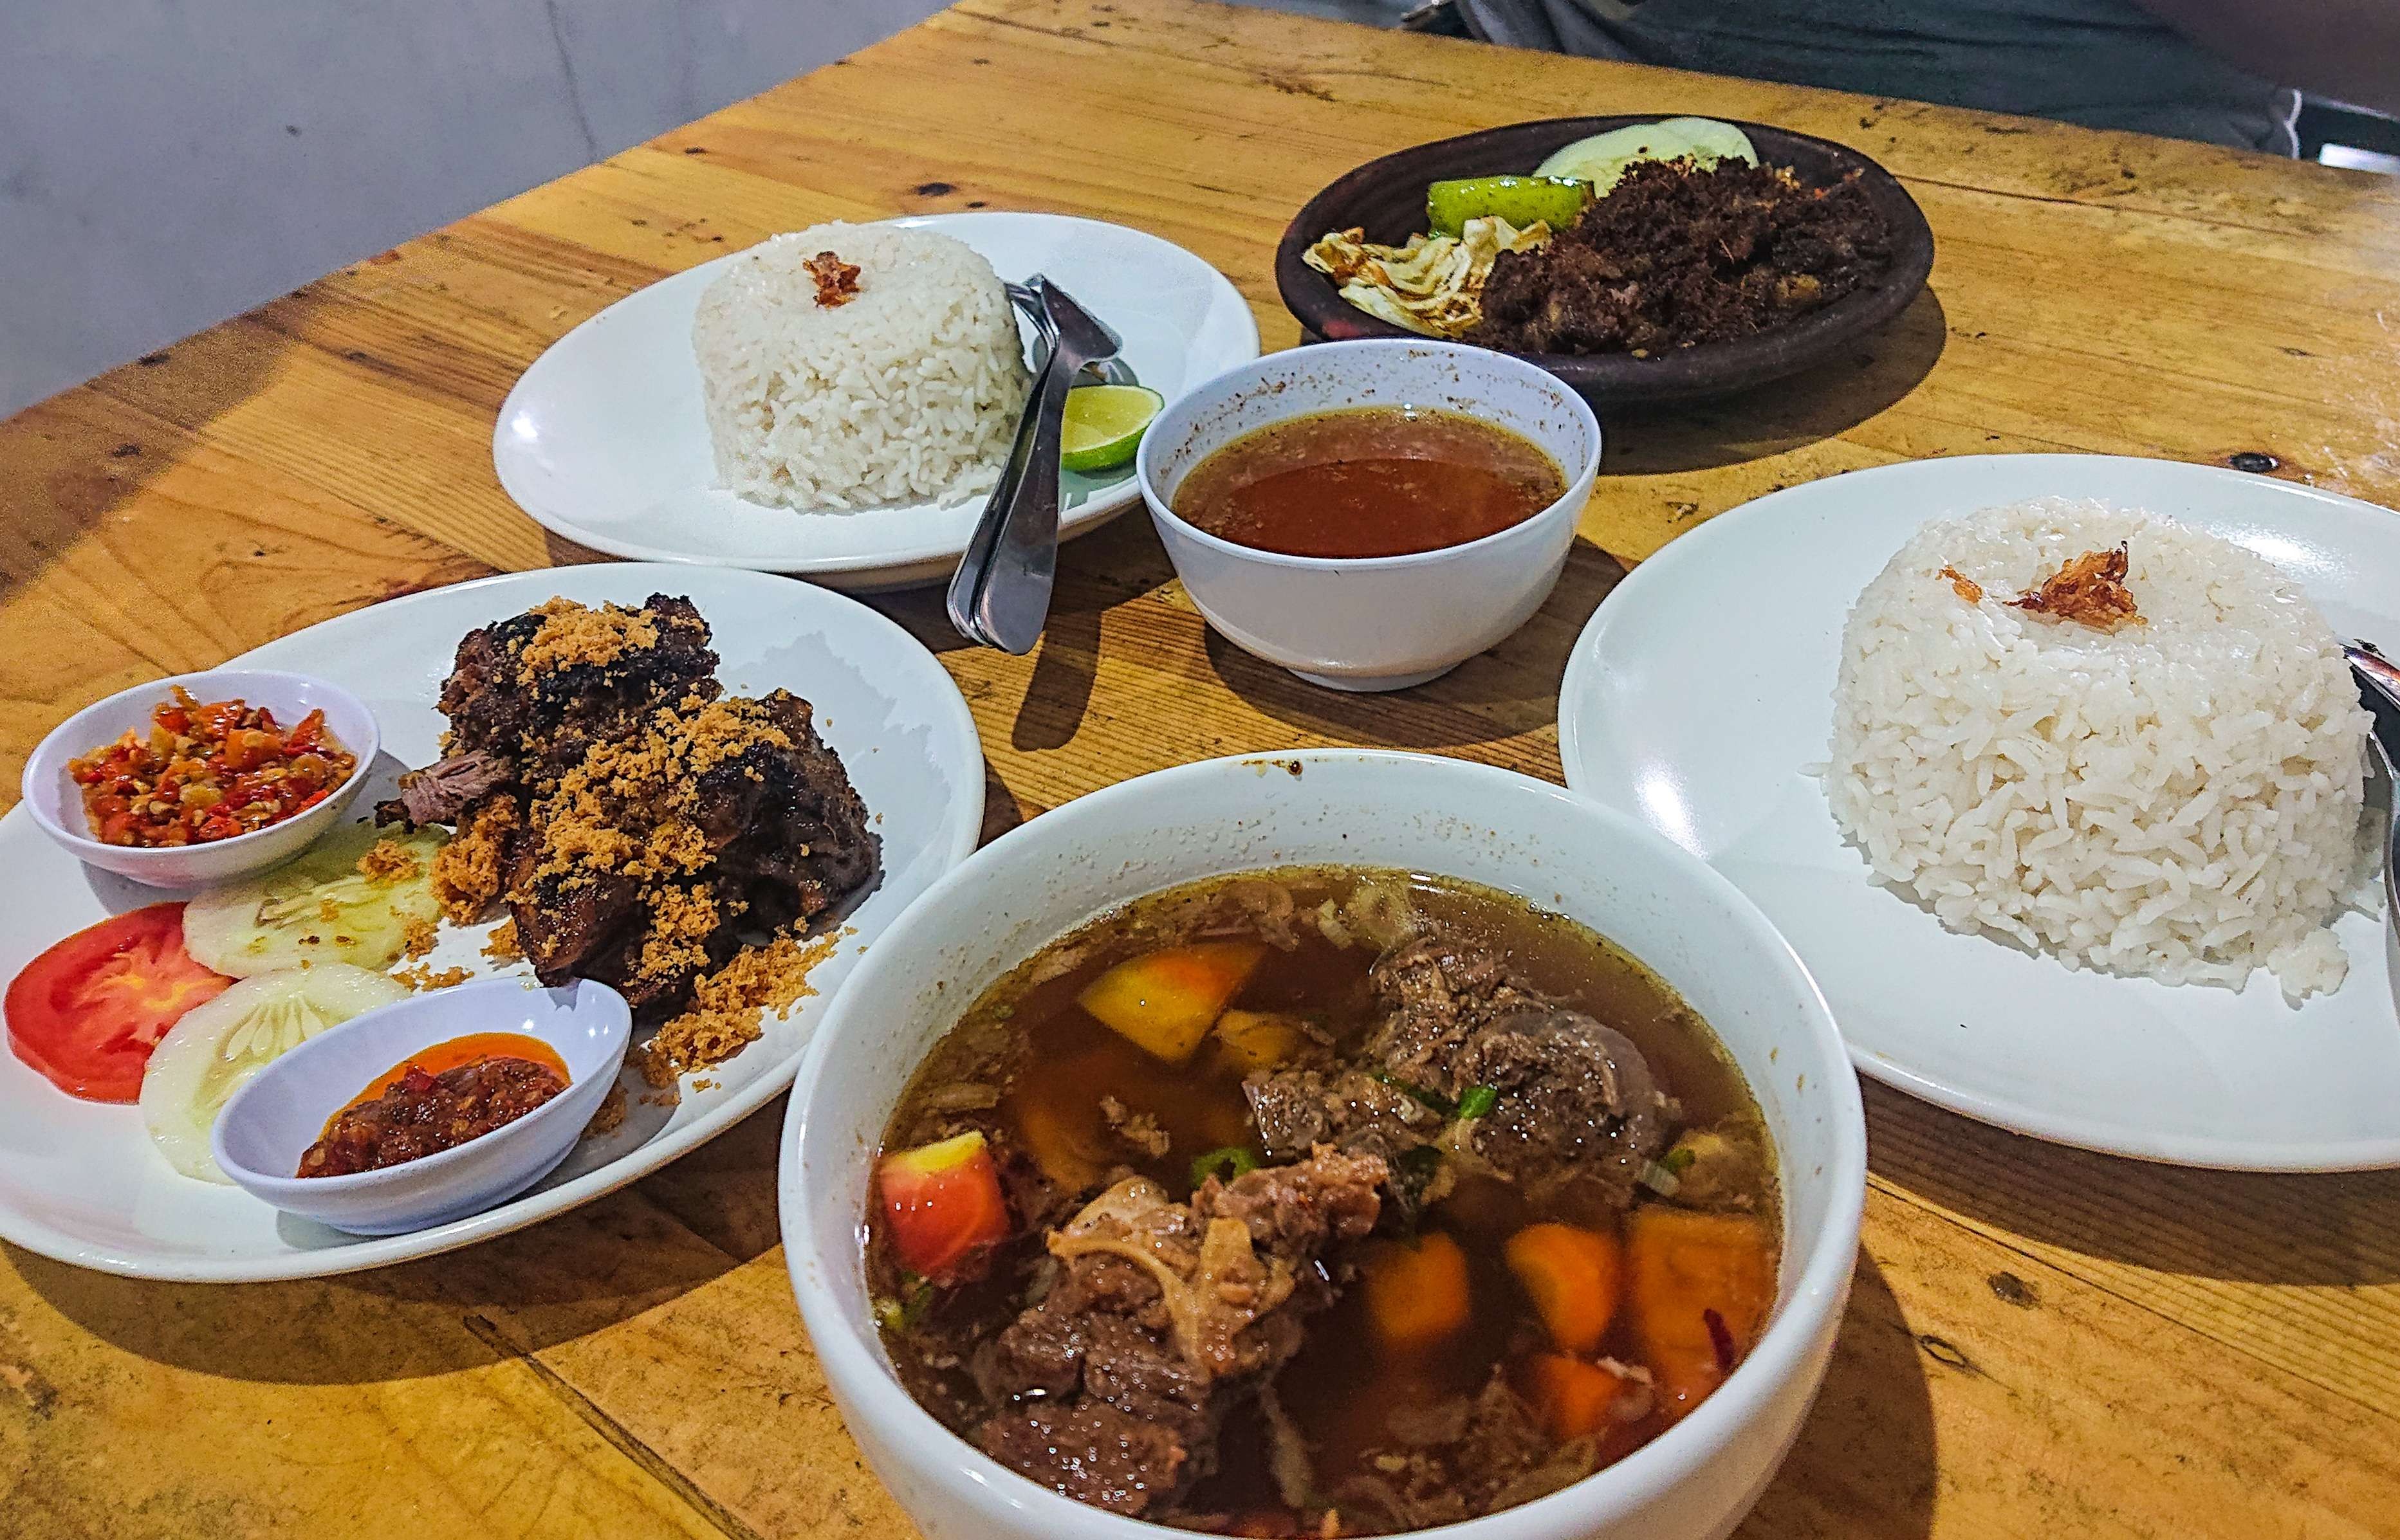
(1676, 254)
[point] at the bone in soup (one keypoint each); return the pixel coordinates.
(1368, 481)
(1322, 1201)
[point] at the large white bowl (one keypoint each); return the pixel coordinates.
(1429, 814)
(1372, 623)
(56, 802)
(271, 1123)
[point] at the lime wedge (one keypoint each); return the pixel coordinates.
(1104, 425)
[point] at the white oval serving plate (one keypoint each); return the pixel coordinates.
(603, 441)
(1700, 699)
(80, 1180)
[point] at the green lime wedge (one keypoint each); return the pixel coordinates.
(1104, 425)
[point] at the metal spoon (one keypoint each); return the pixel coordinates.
(2379, 690)
(1105, 372)
(1001, 594)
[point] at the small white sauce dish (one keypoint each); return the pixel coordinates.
(1417, 812)
(56, 802)
(271, 1122)
(1372, 623)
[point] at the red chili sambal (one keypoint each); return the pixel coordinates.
(436, 1099)
(207, 772)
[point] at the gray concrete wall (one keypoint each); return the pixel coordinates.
(165, 164)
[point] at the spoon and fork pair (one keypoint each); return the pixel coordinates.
(1000, 595)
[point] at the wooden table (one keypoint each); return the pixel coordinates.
(2041, 1342)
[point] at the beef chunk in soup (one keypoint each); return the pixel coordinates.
(1296, 1109)
(1572, 1102)
(1575, 1102)
(1163, 1316)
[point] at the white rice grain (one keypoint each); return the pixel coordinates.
(2178, 799)
(908, 393)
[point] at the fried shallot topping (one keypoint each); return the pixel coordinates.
(1967, 588)
(837, 279)
(2091, 590)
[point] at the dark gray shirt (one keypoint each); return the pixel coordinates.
(2105, 64)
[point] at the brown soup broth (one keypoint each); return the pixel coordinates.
(1368, 481)
(1028, 1053)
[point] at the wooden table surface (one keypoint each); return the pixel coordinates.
(2041, 1342)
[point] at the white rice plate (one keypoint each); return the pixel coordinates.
(2179, 799)
(908, 393)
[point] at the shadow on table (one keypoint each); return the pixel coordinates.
(674, 1233)
(1784, 414)
(1863, 1467)
(75, 459)
(1505, 693)
(2332, 1230)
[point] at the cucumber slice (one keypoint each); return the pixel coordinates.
(217, 1047)
(1522, 200)
(1602, 159)
(319, 907)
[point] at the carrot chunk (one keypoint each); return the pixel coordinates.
(1573, 1276)
(1700, 1286)
(1066, 1142)
(1165, 1001)
(1572, 1398)
(1416, 1290)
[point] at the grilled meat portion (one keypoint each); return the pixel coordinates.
(650, 824)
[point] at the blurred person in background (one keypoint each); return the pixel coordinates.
(2224, 71)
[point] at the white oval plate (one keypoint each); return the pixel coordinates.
(80, 1181)
(603, 441)
(1700, 694)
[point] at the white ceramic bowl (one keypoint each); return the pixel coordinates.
(1445, 817)
(56, 802)
(271, 1122)
(1372, 623)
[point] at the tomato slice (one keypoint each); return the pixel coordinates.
(88, 1012)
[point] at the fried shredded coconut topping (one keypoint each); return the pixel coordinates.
(1967, 588)
(837, 279)
(424, 976)
(2090, 590)
(570, 633)
(470, 871)
(502, 944)
(610, 1116)
(390, 861)
(416, 937)
(727, 1005)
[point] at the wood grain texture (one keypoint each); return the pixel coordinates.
(2040, 1342)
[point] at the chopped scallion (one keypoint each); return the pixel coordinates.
(1476, 1100)
(1418, 1093)
(1225, 1165)
(1659, 1180)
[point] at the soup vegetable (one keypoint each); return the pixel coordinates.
(1325, 1201)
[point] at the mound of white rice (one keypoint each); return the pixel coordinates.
(2179, 798)
(908, 392)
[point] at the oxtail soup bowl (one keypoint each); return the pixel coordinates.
(1423, 813)
(1372, 623)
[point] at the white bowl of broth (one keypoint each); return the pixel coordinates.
(971, 1022)
(1371, 514)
